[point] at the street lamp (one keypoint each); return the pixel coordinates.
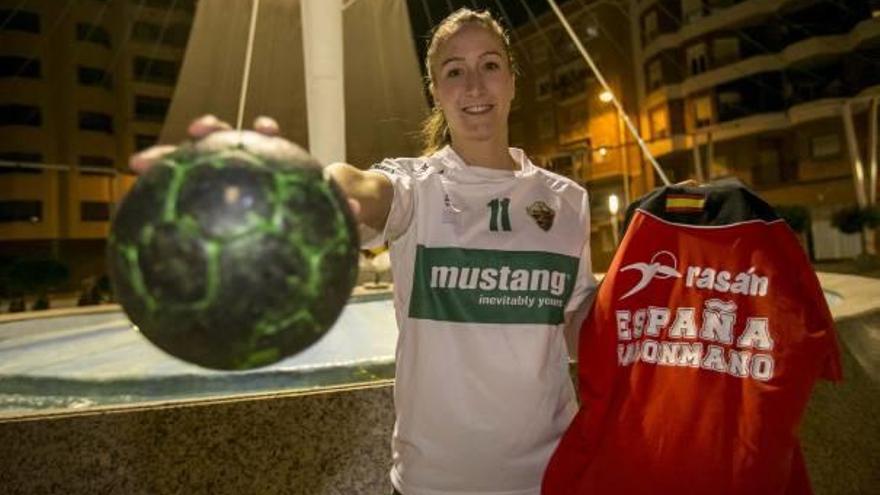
(613, 206)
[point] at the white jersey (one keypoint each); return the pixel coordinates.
(485, 264)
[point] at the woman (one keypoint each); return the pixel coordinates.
(490, 256)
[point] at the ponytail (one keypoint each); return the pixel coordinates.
(435, 132)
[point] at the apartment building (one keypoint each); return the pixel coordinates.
(563, 119)
(83, 84)
(757, 90)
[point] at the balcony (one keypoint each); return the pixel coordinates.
(800, 54)
(774, 25)
(718, 19)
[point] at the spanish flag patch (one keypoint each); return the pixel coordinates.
(685, 203)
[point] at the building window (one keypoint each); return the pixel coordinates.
(659, 123)
(29, 115)
(91, 76)
(768, 170)
(92, 33)
(547, 126)
(21, 211)
(650, 26)
(720, 167)
(544, 88)
(154, 70)
(150, 109)
(725, 51)
(702, 111)
(655, 75)
(696, 59)
(143, 141)
(18, 20)
(95, 121)
(12, 66)
(825, 147)
(729, 104)
(176, 35)
(94, 211)
(539, 52)
(692, 10)
(562, 165)
(21, 157)
(96, 161)
(146, 31)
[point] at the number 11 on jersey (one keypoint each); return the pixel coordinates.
(499, 211)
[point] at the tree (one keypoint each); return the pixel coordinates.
(853, 219)
(797, 217)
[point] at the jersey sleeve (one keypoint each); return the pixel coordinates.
(400, 172)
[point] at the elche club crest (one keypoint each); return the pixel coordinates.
(542, 214)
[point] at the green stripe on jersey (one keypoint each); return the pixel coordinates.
(491, 286)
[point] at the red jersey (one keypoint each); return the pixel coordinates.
(699, 355)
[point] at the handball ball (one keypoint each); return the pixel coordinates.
(233, 252)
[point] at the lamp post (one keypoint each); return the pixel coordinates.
(613, 206)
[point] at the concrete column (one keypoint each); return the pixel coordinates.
(325, 90)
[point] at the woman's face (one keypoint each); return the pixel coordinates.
(473, 84)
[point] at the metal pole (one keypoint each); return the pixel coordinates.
(854, 155)
(872, 152)
(624, 158)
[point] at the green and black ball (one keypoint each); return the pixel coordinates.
(234, 252)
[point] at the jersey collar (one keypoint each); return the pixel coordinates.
(457, 166)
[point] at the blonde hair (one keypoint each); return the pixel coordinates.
(435, 130)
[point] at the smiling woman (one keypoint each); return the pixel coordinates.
(491, 261)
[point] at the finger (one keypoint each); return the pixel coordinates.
(355, 207)
(266, 125)
(141, 162)
(205, 125)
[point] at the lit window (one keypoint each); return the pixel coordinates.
(703, 111)
(659, 123)
(825, 146)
